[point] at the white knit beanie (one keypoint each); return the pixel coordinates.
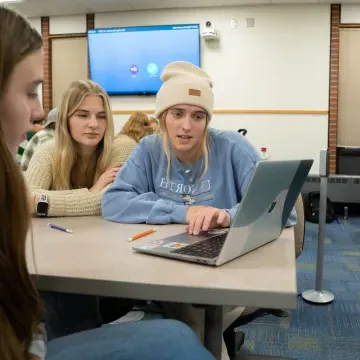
(184, 83)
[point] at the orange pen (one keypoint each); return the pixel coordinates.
(140, 235)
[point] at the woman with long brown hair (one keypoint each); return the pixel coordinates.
(137, 127)
(21, 71)
(21, 337)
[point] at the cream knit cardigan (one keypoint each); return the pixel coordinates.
(78, 202)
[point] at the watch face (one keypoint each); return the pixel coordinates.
(42, 208)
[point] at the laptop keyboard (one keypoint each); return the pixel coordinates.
(209, 248)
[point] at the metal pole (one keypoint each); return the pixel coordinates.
(321, 234)
(319, 295)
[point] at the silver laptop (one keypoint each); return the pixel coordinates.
(260, 218)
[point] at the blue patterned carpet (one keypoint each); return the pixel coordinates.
(319, 332)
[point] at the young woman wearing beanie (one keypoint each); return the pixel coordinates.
(189, 173)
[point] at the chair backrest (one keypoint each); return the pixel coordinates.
(299, 228)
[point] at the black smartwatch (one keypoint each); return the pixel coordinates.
(42, 207)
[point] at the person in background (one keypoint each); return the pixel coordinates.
(188, 174)
(154, 123)
(22, 337)
(47, 133)
(36, 126)
(137, 127)
(73, 170)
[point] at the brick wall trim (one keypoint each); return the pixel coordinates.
(90, 21)
(47, 85)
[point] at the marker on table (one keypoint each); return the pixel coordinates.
(53, 226)
(140, 235)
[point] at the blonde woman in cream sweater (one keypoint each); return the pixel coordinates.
(68, 175)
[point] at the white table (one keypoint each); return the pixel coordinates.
(98, 260)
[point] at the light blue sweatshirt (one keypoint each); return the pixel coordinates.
(141, 192)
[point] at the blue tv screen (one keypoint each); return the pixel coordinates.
(128, 61)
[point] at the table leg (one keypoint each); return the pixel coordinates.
(213, 331)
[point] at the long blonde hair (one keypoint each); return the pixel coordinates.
(20, 309)
(137, 127)
(165, 140)
(65, 146)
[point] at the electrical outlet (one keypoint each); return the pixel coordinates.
(233, 24)
(249, 22)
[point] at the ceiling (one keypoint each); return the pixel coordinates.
(33, 8)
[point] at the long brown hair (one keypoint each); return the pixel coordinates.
(19, 301)
(137, 127)
(66, 154)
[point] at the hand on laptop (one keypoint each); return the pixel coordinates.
(203, 218)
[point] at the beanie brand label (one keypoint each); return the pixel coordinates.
(194, 92)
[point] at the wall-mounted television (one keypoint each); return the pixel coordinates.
(129, 60)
